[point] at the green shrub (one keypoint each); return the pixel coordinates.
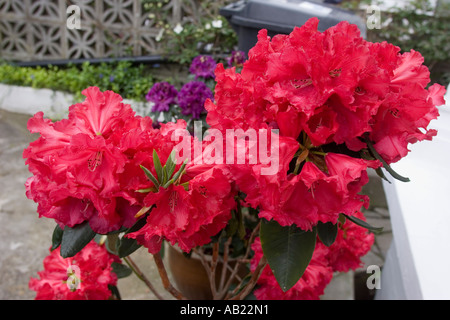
(130, 81)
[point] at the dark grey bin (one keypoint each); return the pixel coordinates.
(247, 17)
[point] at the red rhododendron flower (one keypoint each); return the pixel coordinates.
(76, 163)
(187, 217)
(86, 276)
(351, 244)
(334, 86)
(323, 195)
(323, 99)
(311, 285)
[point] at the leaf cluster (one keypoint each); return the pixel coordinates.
(123, 77)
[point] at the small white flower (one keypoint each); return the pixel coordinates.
(178, 28)
(208, 26)
(217, 24)
(208, 47)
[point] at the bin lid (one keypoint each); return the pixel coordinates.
(283, 15)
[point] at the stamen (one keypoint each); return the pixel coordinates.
(88, 202)
(394, 112)
(173, 201)
(335, 72)
(359, 91)
(301, 83)
(203, 191)
(94, 161)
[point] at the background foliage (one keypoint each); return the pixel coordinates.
(131, 81)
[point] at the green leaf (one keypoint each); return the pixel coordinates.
(180, 171)
(176, 175)
(168, 183)
(127, 246)
(288, 251)
(121, 270)
(146, 190)
(76, 238)
(115, 291)
(327, 232)
(164, 176)
(385, 165)
(157, 165)
(57, 237)
(364, 224)
(170, 164)
(150, 175)
(381, 174)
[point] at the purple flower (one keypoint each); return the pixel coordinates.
(203, 66)
(192, 97)
(162, 94)
(237, 58)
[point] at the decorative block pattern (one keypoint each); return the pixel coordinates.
(33, 30)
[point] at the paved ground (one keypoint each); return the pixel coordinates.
(25, 239)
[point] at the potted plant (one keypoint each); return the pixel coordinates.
(269, 183)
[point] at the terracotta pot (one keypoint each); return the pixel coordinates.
(190, 276)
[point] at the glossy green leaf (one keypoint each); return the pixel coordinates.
(121, 270)
(126, 246)
(75, 239)
(288, 251)
(381, 174)
(57, 237)
(327, 232)
(115, 291)
(377, 156)
(364, 224)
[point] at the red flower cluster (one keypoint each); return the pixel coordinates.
(339, 103)
(352, 243)
(76, 163)
(188, 217)
(334, 86)
(328, 93)
(89, 168)
(86, 276)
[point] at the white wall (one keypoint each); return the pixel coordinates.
(418, 262)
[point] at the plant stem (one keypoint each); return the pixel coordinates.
(319, 153)
(243, 260)
(213, 266)
(225, 264)
(251, 284)
(165, 279)
(141, 276)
